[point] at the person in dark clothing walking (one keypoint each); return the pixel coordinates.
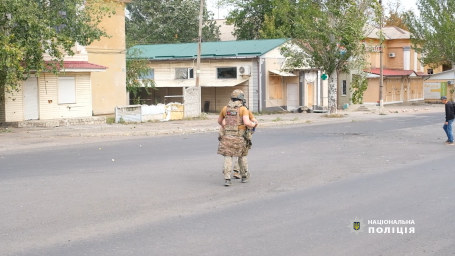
(450, 115)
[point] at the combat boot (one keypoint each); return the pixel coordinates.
(246, 178)
(227, 183)
(236, 175)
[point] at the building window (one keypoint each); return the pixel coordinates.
(343, 88)
(226, 73)
(150, 75)
(66, 90)
(184, 73)
(430, 71)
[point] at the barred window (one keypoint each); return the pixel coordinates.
(343, 88)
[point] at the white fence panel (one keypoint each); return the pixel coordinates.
(128, 114)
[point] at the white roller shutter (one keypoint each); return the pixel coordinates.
(66, 89)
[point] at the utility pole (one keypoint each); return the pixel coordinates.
(198, 63)
(381, 69)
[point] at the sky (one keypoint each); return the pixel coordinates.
(221, 13)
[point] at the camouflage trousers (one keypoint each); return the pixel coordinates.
(227, 167)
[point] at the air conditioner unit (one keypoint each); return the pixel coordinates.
(244, 70)
(392, 55)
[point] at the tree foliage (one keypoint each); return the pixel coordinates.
(395, 15)
(358, 86)
(258, 19)
(167, 21)
(433, 31)
(137, 74)
(31, 29)
(329, 34)
(280, 23)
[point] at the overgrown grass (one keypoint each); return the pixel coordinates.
(277, 119)
(203, 116)
(333, 115)
(121, 121)
(275, 112)
(110, 120)
(295, 119)
(308, 121)
(6, 130)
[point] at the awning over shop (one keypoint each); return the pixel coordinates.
(281, 73)
(202, 82)
(369, 75)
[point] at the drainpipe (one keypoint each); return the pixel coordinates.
(318, 87)
(259, 87)
(301, 88)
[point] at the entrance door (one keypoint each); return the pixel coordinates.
(292, 96)
(30, 90)
(310, 95)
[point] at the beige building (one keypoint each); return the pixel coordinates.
(252, 66)
(225, 30)
(403, 74)
(91, 82)
(109, 88)
(440, 84)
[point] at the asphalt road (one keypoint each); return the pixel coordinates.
(165, 195)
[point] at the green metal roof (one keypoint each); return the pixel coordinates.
(224, 49)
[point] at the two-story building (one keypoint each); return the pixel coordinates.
(403, 73)
(253, 66)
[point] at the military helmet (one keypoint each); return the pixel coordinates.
(237, 95)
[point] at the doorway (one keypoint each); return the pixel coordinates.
(292, 96)
(30, 94)
(310, 95)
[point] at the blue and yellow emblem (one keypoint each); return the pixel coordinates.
(356, 225)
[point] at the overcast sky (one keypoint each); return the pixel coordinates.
(221, 13)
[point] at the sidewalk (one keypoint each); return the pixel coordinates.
(26, 138)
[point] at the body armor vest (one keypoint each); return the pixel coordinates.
(233, 119)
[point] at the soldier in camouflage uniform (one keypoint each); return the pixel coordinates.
(237, 165)
(249, 130)
(234, 120)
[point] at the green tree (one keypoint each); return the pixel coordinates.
(433, 31)
(167, 21)
(138, 74)
(260, 19)
(280, 22)
(248, 18)
(31, 29)
(329, 34)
